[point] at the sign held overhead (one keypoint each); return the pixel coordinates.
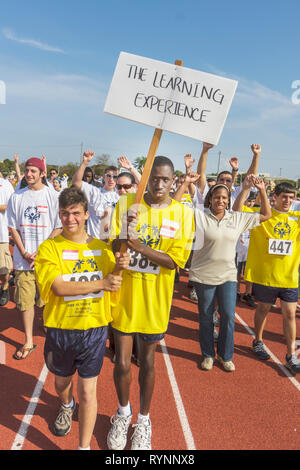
(170, 97)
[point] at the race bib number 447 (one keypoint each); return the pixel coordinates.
(84, 277)
(280, 247)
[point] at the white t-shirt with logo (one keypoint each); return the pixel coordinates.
(35, 215)
(110, 198)
(6, 190)
(95, 207)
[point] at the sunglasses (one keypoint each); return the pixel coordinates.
(125, 186)
(111, 176)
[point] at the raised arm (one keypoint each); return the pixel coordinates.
(253, 168)
(189, 162)
(234, 163)
(190, 179)
(125, 163)
(78, 175)
(17, 167)
(201, 167)
(241, 198)
(44, 160)
(252, 180)
(265, 208)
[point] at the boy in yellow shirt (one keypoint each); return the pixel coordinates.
(74, 275)
(159, 239)
(272, 266)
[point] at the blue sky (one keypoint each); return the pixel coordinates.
(57, 60)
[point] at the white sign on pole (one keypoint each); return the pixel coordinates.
(170, 97)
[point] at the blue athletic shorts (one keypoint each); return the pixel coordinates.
(268, 294)
(148, 338)
(66, 351)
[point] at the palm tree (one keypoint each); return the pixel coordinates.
(139, 163)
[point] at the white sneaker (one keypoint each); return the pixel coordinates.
(227, 365)
(141, 438)
(117, 436)
(207, 364)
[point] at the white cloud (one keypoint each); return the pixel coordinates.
(255, 105)
(9, 34)
(57, 89)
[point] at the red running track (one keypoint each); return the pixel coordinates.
(254, 408)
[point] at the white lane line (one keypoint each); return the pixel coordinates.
(275, 358)
(2, 352)
(22, 432)
(178, 400)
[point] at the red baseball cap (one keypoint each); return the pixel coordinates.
(37, 162)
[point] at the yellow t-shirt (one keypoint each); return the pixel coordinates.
(274, 250)
(76, 262)
(186, 199)
(146, 293)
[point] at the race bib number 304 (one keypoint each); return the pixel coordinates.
(141, 264)
(84, 277)
(280, 247)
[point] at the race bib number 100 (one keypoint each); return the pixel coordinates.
(84, 277)
(142, 264)
(280, 247)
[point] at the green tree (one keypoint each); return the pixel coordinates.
(6, 166)
(139, 163)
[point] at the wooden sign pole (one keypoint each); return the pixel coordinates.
(150, 159)
(148, 167)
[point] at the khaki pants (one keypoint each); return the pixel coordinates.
(6, 264)
(26, 291)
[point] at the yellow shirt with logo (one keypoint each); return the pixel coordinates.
(187, 200)
(274, 250)
(147, 289)
(75, 262)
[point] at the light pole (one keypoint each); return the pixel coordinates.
(219, 162)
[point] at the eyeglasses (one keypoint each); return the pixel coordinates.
(109, 175)
(125, 186)
(52, 172)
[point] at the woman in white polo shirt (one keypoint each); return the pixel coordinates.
(213, 270)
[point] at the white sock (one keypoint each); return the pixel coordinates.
(142, 418)
(84, 448)
(124, 410)
(69, 405)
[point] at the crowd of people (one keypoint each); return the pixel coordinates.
(103, 269)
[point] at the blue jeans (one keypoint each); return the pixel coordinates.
(225, 295)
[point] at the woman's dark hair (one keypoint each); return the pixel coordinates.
(93, 181)
(128, 175)
(23, 183)
(208, 196)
